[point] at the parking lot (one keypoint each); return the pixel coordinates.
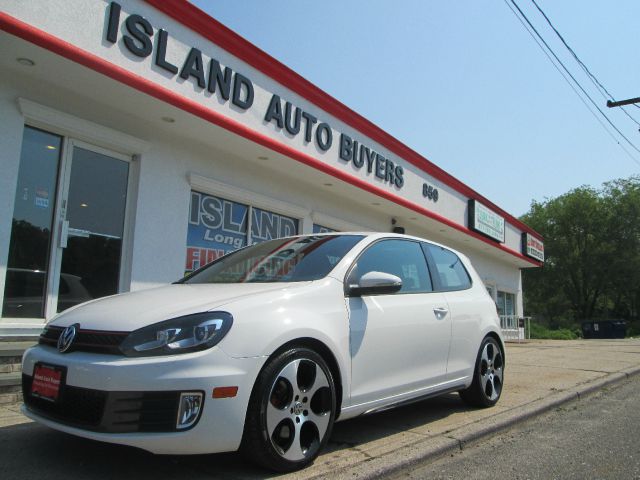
(539, 375)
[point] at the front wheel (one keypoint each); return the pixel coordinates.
(488, 376)
(291, 411)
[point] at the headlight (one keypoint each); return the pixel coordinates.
(178, 335)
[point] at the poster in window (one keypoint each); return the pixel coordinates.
(267, 225)
(216, 227)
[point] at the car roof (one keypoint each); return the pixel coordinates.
(380, 235)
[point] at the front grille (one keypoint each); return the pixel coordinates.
(80, 407)
(109, 412)
(95, 341)
(141, 412)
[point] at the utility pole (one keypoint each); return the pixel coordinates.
(621, 103)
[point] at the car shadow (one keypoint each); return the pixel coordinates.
(369, 428)
(34, 451)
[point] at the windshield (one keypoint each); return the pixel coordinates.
(294, 259)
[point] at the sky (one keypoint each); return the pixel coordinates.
(464, 84)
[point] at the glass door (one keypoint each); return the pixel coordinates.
(92, 226)
(26, 281)
(68, 229)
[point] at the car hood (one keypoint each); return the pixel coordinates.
(129, 311)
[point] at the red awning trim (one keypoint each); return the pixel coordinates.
(67, 50)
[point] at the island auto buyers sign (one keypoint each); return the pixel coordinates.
(139, 37)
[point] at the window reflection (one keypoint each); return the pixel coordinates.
(26, 279)
(95, 211)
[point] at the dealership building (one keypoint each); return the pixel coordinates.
(143, 139)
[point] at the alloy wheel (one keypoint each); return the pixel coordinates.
(298, 410)
(491, 371)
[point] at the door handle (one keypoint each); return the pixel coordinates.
(64, 233)
(440, 312)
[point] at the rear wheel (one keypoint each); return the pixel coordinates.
(488, 376)
(291, 411)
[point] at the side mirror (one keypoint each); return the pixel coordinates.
(375, 283)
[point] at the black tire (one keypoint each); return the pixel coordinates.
(488, 376)
(294, 394)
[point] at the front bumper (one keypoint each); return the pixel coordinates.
(151, 382)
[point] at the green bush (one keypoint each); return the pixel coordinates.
(541, 332)
(633, 329)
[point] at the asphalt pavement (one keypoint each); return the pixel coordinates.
(593, 438)
(540, 376)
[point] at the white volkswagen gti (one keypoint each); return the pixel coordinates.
(265, 348)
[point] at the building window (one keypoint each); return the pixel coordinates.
(30, 244)
(506, 303)
(266, 225)
(218, 226)
(491, 291)
(317, 228)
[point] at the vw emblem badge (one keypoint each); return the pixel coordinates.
(66, 337)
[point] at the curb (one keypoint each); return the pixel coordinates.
(455, 440)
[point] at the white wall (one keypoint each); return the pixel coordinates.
(10, 145)
(62, 17)
(163, 203)
(162, 186)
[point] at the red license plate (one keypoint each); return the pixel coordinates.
(47, 381)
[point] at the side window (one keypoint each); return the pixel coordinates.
(449, 268)
(402, 258)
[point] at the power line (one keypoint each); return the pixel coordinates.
(595, 115)
(573, 78)
(601, 88)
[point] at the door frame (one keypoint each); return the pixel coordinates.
(68, 126)
(60, 213)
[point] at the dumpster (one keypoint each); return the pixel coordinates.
(604, 329)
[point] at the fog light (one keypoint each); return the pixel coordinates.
(189, 411)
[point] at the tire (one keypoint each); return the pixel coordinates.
(294, 394)
(488, 376)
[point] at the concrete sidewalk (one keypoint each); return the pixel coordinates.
(539, 375)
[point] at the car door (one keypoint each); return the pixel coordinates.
(398, 342)
(452, 278)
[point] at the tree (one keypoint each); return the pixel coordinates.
(592, 250)
(544, 294)
(624, 203)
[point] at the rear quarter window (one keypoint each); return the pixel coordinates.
(451, 273)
